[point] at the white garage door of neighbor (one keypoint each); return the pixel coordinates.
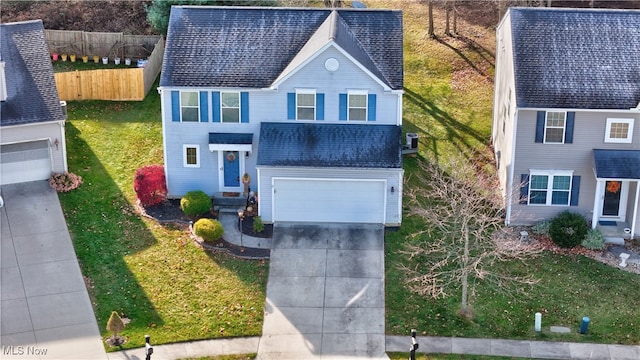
(329, 200)
(22, 162)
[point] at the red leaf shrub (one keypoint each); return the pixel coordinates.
(150, 185)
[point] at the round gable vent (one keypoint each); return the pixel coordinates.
(332, 64)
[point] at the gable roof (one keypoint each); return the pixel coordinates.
(330, 145)
(252, 47)
(576, 58)
(32, 96)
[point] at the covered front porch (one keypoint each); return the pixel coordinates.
(617, 195)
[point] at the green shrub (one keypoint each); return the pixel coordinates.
(568, 229)
(195, 203)
(541, 228)
(258, 226)
(208, 229)
(594, 240)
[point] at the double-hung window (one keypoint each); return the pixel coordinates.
(305, 104)
(550, 187)
(190, 106)
(230, 107)
(357, 105)
(554, 127)
(191, 155)
(619, 131)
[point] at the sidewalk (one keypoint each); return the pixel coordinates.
(428, 344)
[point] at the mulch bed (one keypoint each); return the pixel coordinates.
(169, 212)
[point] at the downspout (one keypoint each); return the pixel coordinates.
(399, 110)
(64, 146)
(635, 213)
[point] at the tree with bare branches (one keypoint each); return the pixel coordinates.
(464, 237)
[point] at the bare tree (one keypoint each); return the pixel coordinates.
(464, 237)
(333, 3)
(431, 32)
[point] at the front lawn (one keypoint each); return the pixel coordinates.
(448, 102)
(154, 275)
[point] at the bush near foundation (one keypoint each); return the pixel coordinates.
(568, 229)
(195, 203)
(208, 229)
(150, 185)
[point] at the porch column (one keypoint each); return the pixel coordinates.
(597, 203)
(636, 209)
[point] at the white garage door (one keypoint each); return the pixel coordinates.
(329, 200)
(29, 161)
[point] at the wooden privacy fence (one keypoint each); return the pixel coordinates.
(101, 44)
(111, 84)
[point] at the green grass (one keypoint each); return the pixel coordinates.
(154, 275)
(448, 102)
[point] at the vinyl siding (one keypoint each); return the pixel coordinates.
(41, 131)
(588, 134)
(504, 104)
(393, 177)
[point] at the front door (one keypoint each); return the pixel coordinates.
(611, 204)
(231, 175)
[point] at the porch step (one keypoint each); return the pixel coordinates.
(220, 201)
(614, 240)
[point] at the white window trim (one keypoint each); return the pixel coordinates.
(607, 135)
(551, 174)
(564, 128)
(184, 155)
(190, 106)
(366, 104)
(315, 105)
(222, 107)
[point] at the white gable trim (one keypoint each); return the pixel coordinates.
(287, 73)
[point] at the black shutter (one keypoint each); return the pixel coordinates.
(540, 126)
(568, 133)
(575, 190)
(524, 188)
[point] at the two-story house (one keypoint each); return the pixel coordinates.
(306, 101)
(566, 123)
(32, 120)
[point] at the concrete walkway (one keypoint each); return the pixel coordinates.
(46, 312)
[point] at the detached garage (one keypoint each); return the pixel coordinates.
(338, 173)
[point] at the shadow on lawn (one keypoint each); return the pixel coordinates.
(487, 56)
(457, 133)
(104, 229)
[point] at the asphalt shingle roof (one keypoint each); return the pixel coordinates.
(617, 164)
(250, 47)
(330, 145)
(31, 89)
(576, 58)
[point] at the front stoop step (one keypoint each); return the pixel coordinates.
(614, 240)
(232, 202)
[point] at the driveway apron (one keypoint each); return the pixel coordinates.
(325, 293)
(46, 312)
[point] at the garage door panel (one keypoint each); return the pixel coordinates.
(23, 162)
(324, 200)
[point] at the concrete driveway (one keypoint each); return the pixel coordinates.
(46, 312)
(325, 293)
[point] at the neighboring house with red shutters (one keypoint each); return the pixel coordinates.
(566, 123)
(32, 120)
(307, 101)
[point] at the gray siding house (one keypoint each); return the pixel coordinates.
(32, 121)
(306, 101)
(566, 123)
